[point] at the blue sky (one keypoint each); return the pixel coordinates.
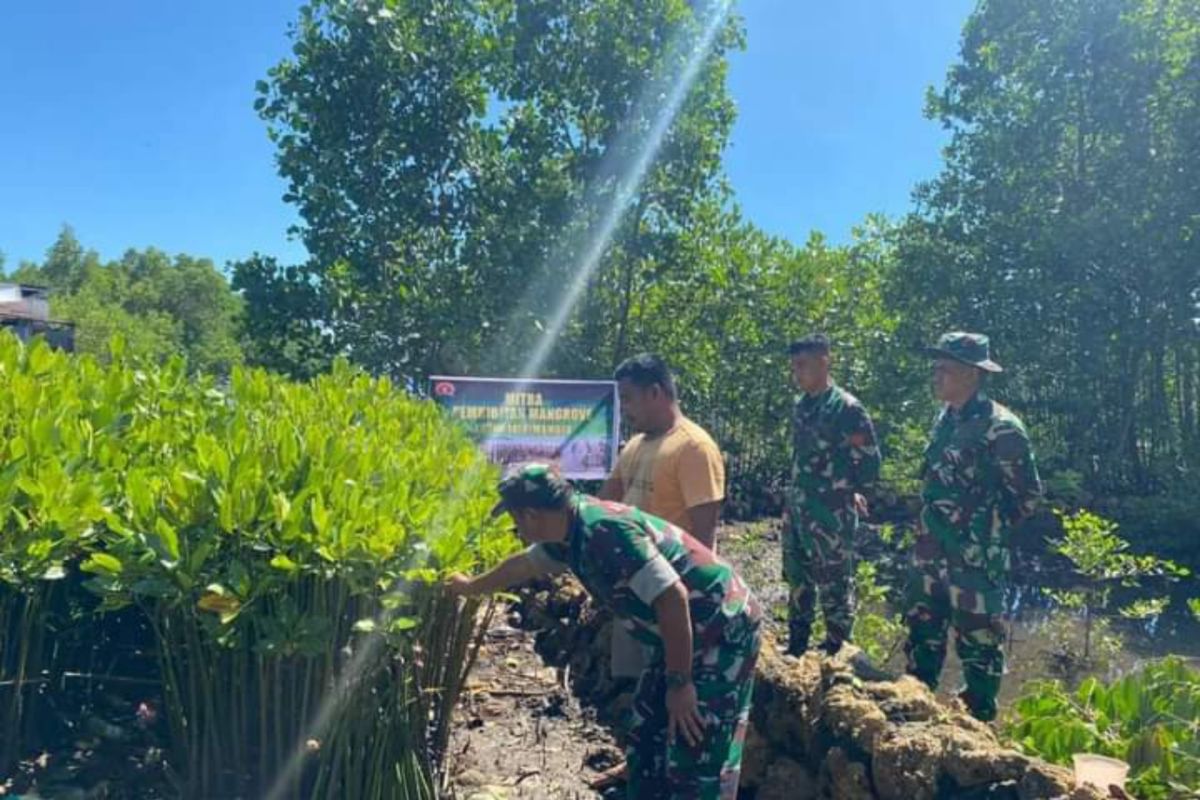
(132, 121)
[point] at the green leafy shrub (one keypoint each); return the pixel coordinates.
(877, 628)
(282, 540)
(57, 419)
(1147, 718)
(1101, 561)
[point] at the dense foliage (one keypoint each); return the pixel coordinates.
(1147, 718)
(475, 142)
(1064, 223)
(474, 146)
(161, 306)
(273, 535)
(448, 159)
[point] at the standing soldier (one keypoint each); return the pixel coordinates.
(980, 481)
(835, 460)
(687, 606)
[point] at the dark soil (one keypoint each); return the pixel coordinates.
(519, 732)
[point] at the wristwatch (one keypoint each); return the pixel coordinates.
(677, 680)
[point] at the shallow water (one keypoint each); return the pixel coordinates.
(1046, 642)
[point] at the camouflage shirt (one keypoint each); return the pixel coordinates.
(626, 558)
(834, 452)
(980, 480)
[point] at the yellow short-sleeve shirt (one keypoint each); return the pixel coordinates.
(667, 475)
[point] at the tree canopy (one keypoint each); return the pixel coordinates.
(448, 157)
(1065, 223)
(159, 305)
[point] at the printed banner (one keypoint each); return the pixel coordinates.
(575, 423)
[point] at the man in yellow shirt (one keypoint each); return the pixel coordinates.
(671, 469)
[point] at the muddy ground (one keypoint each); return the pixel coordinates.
(519, 733)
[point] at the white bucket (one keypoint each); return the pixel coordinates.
(1100, 771)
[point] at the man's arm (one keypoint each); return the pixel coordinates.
(863, 450)
(626, 558)
(789, 489)
(703, 525)
(514, 570)
(701, 475)
(613, 489)
(675, 627)
(1018, 473)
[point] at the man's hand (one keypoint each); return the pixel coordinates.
(459, 585)
(860, 505)
(683, 715)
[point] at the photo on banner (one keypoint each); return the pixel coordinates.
(573, 423)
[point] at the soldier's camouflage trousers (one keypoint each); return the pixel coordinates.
(942, 596)
(661, 770)
(818, 563)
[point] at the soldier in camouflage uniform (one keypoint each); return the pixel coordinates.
(835, 460)
(691, 610)
(980, 481)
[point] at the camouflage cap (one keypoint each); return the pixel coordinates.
(968, 348)
(534, 485)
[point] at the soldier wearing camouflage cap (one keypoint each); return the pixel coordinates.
(835, 462)
(979, 482)
(693, 612)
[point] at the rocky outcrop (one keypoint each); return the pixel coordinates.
(869, 735)
(823, 727)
